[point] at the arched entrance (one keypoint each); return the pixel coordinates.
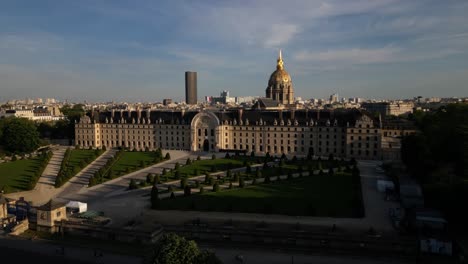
(206, 145)
(204, 132)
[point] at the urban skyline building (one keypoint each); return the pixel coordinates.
(191, 87)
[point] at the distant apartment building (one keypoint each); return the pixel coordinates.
(388, 108)
(39, 114)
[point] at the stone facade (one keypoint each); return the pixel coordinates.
(343, 133)
(48, 214)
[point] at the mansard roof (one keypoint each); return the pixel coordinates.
(302, 117)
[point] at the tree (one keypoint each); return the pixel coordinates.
(241, 182)
(174, 249)
(155, 197)
(149, 178)
(177, 166)
(252, 154)
(132, 185)
(230, 185)
(198, 157)
(248, 169)
(228, 174)
(267, 179)
(168, 156)
(18, 135)
(213, 157)
(189, 161)
(216, 187)
(187, 190)
(202, 190)
(183, 183)
(157, 178)
(227, 156)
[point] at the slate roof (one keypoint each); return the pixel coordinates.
(302, 116)
(50, 205)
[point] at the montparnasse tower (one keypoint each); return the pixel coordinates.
(280, 88)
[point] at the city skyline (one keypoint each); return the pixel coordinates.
(115, 51)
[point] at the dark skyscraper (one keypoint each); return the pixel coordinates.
(191, 87)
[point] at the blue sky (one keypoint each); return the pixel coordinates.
(99, 50)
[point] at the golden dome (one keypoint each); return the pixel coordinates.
(280, 76)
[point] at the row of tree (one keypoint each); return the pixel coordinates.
(438, 158)
(68, 170)
(44, 159)
(105, 172)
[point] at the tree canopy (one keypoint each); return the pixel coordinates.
(173, 249)
(18, 135)
(438, 158)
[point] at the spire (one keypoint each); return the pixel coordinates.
(279, 64)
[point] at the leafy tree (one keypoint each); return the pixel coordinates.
(189, 161)
(172, 195)
(241, 182)
(216, 187)
(183, 183)
(267, 179)
(202, 190)
(155, 201)
(177, 166)
(132, 185)
(168, 156)
(156, 178)
(227, 156)
(18, 135)
(213, 157)
(149, 178)
(248, 169)
(187, 190)
(174, 249)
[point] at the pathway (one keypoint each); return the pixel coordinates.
(81, 180)
(45, 187)
(137, 202)
(120, 184)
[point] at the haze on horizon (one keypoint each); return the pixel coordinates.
(128, 51)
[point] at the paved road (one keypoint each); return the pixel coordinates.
(22, 251)
(44, 189)
(258, 256)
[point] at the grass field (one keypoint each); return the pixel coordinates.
(78, 156)
(200, 167)
(16, 175)
(130, 161)
(324, 195)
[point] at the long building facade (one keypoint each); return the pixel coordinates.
(344, 133)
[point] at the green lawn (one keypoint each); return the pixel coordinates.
(78, 156)
(16, 175)
(130, 161)
(337, 196)
(200, 167)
